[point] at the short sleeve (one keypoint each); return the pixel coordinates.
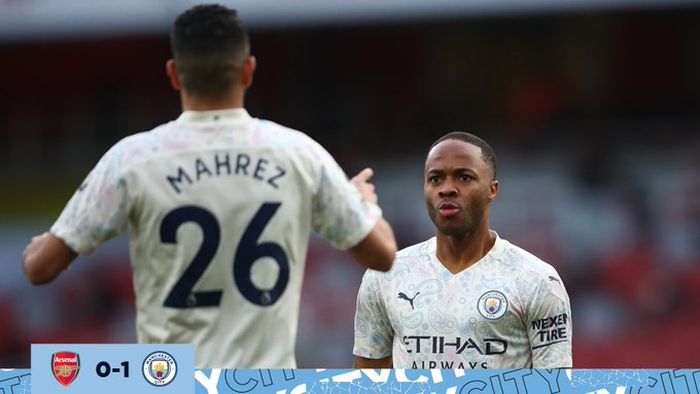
(374, 334)
(99, 209)
(549, 325)
(339, 214)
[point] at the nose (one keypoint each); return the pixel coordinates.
(447, 189)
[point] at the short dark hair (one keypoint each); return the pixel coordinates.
(487, 153)
(209, 45)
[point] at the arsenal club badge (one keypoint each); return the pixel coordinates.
(65, 366)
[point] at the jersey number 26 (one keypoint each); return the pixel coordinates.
(249, 251)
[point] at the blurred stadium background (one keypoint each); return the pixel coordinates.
(593, 108)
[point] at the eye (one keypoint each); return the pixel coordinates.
(433, 179)
(465, 177)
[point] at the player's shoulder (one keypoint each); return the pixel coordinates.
(139, 145)
(525, 262)
(295, 144)
(283, 137)
(136, 141)
(416, 251)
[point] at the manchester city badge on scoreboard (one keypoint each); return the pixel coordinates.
(112, 368)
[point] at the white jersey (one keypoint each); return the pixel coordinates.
(508, 310)
(218, 207)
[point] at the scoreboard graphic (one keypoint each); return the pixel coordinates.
(113, 368)
(145, 369)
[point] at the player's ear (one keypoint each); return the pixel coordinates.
(171, 70)
(493, 190)
(248, 70)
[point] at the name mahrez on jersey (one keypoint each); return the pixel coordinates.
(225, 164)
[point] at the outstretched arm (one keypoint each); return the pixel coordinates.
(378, 250)
(46, 257)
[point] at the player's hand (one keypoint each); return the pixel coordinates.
(365, 188)
(46, 257)
(34, 246)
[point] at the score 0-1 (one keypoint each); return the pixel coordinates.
(104, 369)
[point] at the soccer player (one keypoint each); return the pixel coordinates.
(466, 298)
(218, 206)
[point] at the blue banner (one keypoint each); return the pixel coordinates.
(112, 369)
(15, 381)
(523, 381)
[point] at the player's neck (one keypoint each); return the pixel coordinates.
(458, 253)
(193, 103)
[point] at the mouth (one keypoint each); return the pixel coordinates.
(448, 209)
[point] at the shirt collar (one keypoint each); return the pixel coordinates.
(498, 245)
(496, 251)
(215, 116)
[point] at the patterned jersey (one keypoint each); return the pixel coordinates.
(218, 207)
(508, 310)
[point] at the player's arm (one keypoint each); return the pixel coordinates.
(46, 257)
(362, 362)
(549, 325)
(373, 333)
(97, 211)
(346, 213)
(378, 249)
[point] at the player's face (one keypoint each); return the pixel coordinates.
(459, 187)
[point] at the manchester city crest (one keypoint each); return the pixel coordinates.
(492, 305)
(159, 368)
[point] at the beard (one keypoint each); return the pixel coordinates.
(462, 224)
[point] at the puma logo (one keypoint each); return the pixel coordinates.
(553, 279)
(403, 296)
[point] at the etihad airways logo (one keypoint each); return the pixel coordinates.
(439, 345)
